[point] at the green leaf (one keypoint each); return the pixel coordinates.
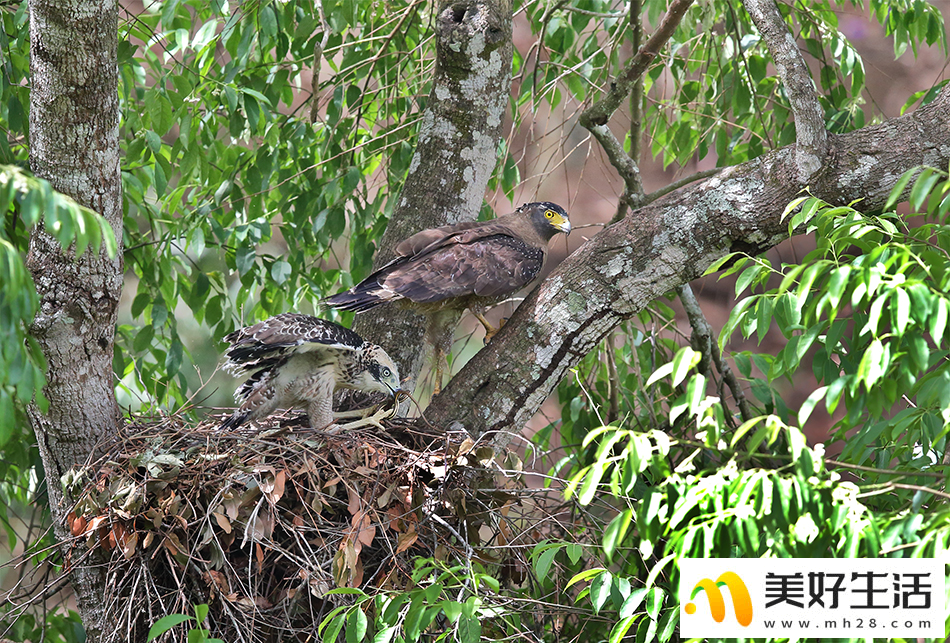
(6, 417)
(244, 259)
(355, 625)
(600, 590)
(809, 405)
(922, 187)
(166, 623)
(280, 271)
(938, 320)
(332, 628)
(660, 373)
(154, 141)
(620, 629)
(589, 489)
(654, 602)
(668, 624)
(901, 310)
(685, 359)
(543, 563)
(872, 366)
(574, 552)
(632, 602)
(386, 634)
(453, 609)
(615, 531)
(469, 629)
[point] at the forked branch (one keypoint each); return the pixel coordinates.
(811, 137)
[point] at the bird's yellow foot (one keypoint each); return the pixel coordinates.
(491, 332)
(372, 420)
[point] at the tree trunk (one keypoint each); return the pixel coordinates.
(455, 155)
(74, 144)
(664, 245)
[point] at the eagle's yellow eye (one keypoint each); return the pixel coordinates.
(549, 214)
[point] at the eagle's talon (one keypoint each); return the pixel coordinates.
(372, 420)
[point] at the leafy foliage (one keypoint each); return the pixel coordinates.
(262, 140)
(864, 317)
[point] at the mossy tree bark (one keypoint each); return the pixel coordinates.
(455, 155)
(74, 144)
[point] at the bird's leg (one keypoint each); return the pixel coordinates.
(352, 413)
(372, 420)
(320, 409)
(489, 329)
(439, 332)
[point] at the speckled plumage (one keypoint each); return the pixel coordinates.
(298, 361)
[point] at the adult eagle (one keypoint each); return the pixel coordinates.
(298, 360)
(442, 271)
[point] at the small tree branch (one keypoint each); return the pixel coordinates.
(595, 117)
(686, 180)
(636, 92)
(319, 44)
(600, 112)
(613, 381)
(709, 347)
(627, 167)
(811, 137)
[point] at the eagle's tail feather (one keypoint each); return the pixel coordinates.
(361, 297)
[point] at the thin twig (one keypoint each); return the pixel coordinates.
(884, 472)
(710, 348)
(613, 381)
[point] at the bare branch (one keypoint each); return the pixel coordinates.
(709, 347)
(595, 117)
(636, 92)
(810, 134)
(600, 112)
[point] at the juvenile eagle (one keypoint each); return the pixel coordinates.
(442, 271)
(298, 361)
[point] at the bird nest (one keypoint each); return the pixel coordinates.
(261, 525)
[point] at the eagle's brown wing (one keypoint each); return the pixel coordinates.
(432, 238)
(492, 266)
(266, 343)
(487, 259)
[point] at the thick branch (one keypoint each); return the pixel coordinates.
(456, 152)
(595, 117)
(664, 245)
(811, 137)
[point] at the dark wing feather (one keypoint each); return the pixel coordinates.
(434, 238)
(444, 262)
(260, 346)
(488, 267)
